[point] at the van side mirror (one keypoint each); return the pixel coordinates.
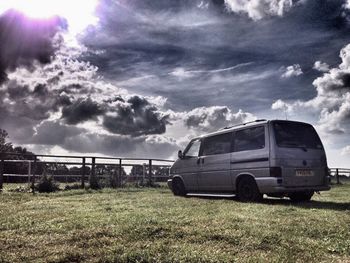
(180, 154)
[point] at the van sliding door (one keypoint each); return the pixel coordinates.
(214, 161)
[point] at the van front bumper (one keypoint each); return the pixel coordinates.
(270, 185)
(170, 184)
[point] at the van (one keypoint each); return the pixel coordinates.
(277, 157)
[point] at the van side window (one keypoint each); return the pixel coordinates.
(217, 144)
(249, 139)
(193, 149)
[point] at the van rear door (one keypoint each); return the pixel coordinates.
(299, 152)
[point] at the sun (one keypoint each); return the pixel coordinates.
(79, 14)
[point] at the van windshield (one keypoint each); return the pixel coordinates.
(296, 135)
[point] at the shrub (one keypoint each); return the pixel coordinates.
(94, 183)
(46, 184)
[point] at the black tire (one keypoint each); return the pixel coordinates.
(301, 196)
(179, 188)
(247, 190)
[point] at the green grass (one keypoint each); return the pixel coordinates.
(151, 225)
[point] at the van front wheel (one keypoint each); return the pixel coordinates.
(301, 196)
(179, 188)
(247, 190)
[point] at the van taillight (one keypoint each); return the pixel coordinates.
(275, 171)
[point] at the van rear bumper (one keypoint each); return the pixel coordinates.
(269, 185)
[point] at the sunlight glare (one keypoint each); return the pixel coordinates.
(79, 14)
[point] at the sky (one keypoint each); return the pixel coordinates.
(140, 78)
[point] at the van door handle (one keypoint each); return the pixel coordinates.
(198, 160)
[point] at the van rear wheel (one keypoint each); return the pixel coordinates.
(301, 196)
(247, 190)
(179, 188)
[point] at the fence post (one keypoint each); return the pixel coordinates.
(83, 174)
(2, 169)
(150, 172)
(93, 179)
(337, 175)
(144, 174)
(29, 171)
(119, 181)
(33, 176)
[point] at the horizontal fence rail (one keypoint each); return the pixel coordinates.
(71, 168)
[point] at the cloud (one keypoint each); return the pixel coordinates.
(182, 73)
(72, 90)
(150, 58)
(337, 80)
(208, 119)
(33, 102)
(281, 105)
(54, 133)
(169, 47)
(259, 9)
(75, 139)
(136, 116)
(25, 41)
(345, 150)
(291, 71)
(81, 110)
(320, 66)
(332, 101)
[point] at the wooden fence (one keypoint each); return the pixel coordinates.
(87, 164)
(337, 173)
(148, 166)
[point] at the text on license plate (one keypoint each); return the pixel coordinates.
(304, 173)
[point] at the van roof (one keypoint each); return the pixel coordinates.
(238, 126)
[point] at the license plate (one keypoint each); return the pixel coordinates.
(304, 173)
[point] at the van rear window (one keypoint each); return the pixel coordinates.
(292, 134)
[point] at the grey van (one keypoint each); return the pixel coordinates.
(277, 158)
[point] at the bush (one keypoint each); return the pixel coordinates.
(94, 183)
(46, 184)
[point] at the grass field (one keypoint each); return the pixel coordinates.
(151, 225)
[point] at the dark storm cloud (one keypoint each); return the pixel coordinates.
(81, 110)
(25, 40)
(135, 117)
(37, 99)
(35, 103)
